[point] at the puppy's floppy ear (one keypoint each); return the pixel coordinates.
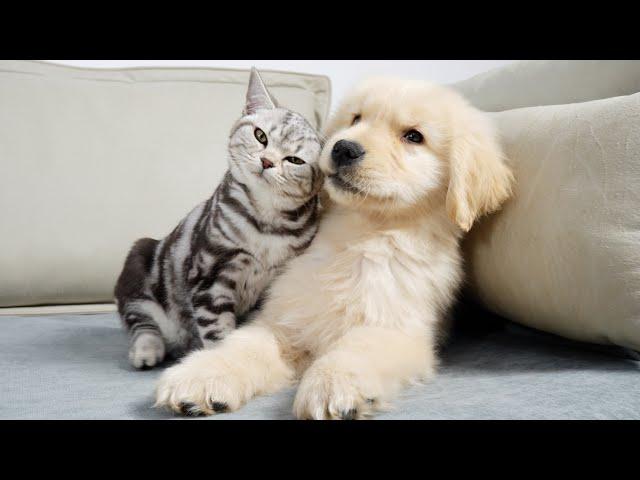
(479, 179)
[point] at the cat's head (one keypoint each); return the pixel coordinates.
(274, 149)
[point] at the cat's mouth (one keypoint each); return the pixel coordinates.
(261, 173)
(268, 178)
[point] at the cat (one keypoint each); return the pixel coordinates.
(192, 288)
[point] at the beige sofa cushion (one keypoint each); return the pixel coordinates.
(564, 253)
(551, 82)
(91, 160)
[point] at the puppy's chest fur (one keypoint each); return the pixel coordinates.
(363, 274)
(397, 270)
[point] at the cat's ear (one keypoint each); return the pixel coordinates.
(258, 97)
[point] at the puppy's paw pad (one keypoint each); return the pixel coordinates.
(219, 407)
(200, 386)
(190, 410)
(351, 414)
(335, 396)
(146, 351)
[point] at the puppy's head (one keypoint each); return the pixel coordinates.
(395, 145)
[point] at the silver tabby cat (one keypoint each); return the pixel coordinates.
(191, 288)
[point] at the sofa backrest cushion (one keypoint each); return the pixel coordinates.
(550, 82)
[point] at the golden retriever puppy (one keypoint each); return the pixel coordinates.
(409, 166)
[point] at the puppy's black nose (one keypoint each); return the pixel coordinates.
(345, 153)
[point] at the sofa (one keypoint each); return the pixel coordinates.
(93, 159)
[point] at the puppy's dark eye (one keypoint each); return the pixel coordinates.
(296, 160)
(413, 136)
(260, 136)
(356, 119)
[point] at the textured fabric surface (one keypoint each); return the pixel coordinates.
(550, 82)
(75, 367)
(564, 254)
(92, 160)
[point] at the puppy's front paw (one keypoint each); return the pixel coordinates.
(327, 392)
(201, 384)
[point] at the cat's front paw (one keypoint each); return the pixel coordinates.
(146, 351)
(201, 384)
(330, 393)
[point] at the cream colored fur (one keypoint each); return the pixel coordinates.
(358, 315)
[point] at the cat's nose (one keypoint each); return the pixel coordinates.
(266, 163)
(345, 153)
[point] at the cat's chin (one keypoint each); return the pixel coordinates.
(262, 178)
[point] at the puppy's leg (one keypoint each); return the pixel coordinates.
(363, 370)
(246, 363)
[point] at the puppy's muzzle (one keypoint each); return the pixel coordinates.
(346, 153)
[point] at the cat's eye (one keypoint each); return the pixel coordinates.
(261, 136)
(413, 136)
(295, 160)
(356, 119)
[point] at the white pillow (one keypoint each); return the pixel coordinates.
(550, 82)
(564, 254)
(91, 160)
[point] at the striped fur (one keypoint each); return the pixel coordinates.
(191, 288)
